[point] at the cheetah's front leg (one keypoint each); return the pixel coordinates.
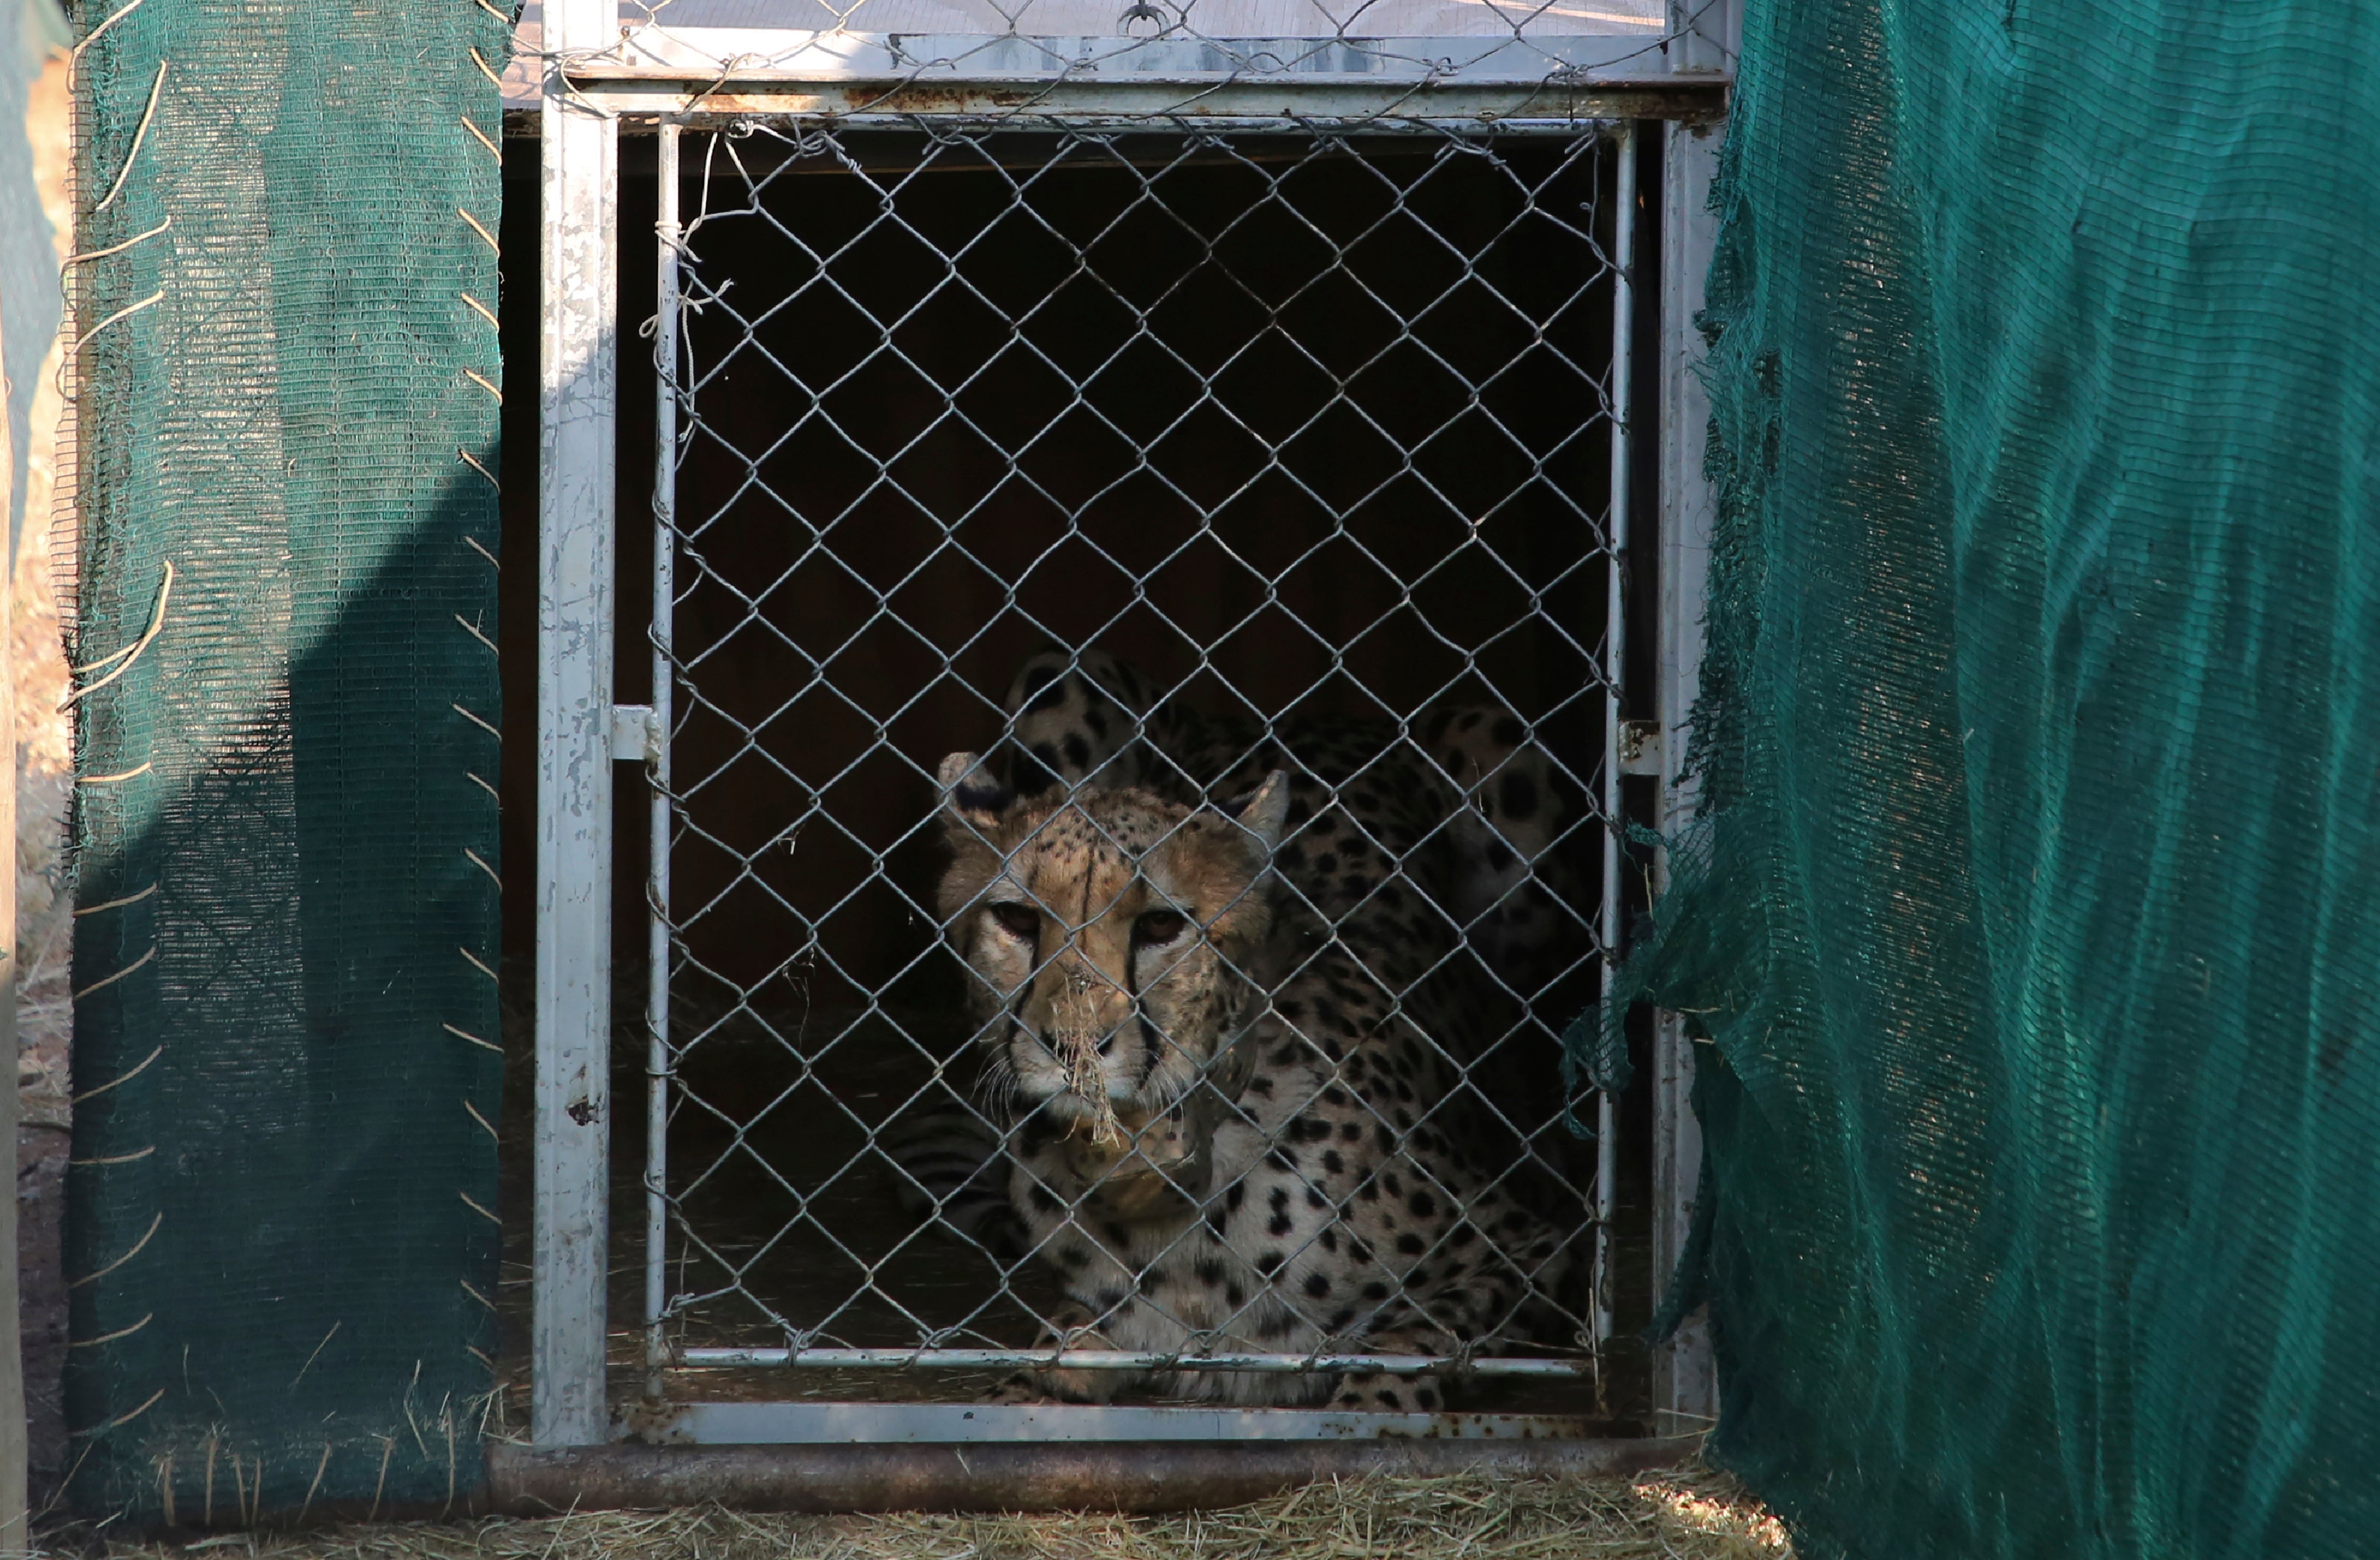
(1374, 1391)
(1069, 1326)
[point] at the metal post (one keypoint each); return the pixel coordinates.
(1615, 663)
(1686, 1386)
(657, 768)
(578, 391)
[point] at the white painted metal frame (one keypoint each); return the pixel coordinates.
(578, 402)
(1705, 35)
(580, 732)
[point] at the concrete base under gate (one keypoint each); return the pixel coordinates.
(1132, 1476)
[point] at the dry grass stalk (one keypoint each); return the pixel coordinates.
(1671, 1516)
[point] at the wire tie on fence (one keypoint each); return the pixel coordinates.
(483, 866)
(496, 12)
(107, 980)
(468, 460)
(494, 150)
(476, 1295)
(474, 632)
(318, 1352)
(128, 1419)
(480, 229)
(494, 80)
(74, 352)
(478, 721)
(481, 1356)
(485, 787)
(139, 135)
(131, 653)
(117, 1158)
(103, 1273)
(485, 312)
(93, 35)
(145, 1061)
(464, 1034)
(474, 960)
(468, 1201)
(112, 779)
(116, 904)
(111, 1337)
(485, 1125)
(484, 383)
(74, 260)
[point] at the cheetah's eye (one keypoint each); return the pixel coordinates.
(1018, 921)
(1160, 926)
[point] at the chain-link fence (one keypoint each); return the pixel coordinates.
(1242, 510)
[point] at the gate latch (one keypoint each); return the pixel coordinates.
(634, 739)
(1639, 748)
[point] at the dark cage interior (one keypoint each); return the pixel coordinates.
(1311, 432)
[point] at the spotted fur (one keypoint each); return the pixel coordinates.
(1229, 1031)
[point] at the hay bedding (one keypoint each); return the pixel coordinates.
(1670, 1515)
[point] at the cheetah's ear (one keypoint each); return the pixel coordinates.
(1264, 811)
(973, 799)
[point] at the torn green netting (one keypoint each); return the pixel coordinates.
(2035, 908)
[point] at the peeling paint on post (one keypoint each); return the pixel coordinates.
(579, 386)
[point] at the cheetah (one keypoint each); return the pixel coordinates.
(1230, 1041)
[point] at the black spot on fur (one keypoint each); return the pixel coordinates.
(1520, 795)
(1316, 1200)
(1425, 1399)
(1331, 1164)
(1375, 1291)
(1279, 1224)
(1424, 1206)
(1079, 752)
(1235, 1195)
(1410, 1244)
(1209, 1272)
(1270, 1263)
(1317, 1285)
(1234, 1296)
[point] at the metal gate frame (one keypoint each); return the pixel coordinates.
(589, 89)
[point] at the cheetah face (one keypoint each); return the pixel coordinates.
(1111, 936)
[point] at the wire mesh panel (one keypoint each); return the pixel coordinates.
(1135, 643)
